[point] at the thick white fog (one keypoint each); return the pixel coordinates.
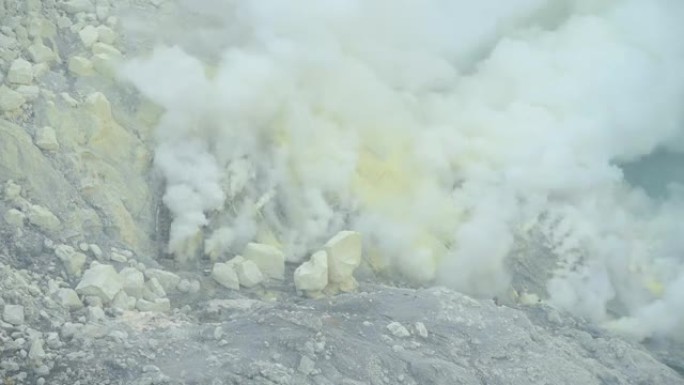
(445, 131)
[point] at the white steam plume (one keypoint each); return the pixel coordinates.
(445, 131)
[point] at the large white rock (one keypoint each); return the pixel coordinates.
(43, 218)
(269, 259)
(68, 298)
(101, 281)
(13, 314)
(133, 281)
(344, 256)
(313, 274)
(20, 72)
(73, 260)
(167, 279)
(10, 99)
(225, 275)
(249, 274)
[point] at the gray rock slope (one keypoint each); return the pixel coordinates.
(382, 335)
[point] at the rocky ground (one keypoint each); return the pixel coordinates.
(85, 300)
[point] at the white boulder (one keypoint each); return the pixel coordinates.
(225, 275)
(101, 281)
(344, 256)
(269, 259)
(313, 274)
(249, 274)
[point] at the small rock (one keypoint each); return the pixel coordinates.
(10, 99)
(39, 70)
(40, 53)
(30, 93)
(313, 274)
(36, 352)
(15, 217)
(118, 257)
(167, 279)
(13, 314)
(158, 305)
(184, 286)
(133, 281)
(81, 66)
(77, 6)
(123, 301)
(306, 365)
(88, 35)
(95, 314)
(69, 330)
(97, 252)
(269, 259)
(106, 34)
(53, 341)
(93, 300)
(73, 261)
(68, 298)
(43, 218)
(20, 72)
(421, 329)
(106, 49)
(398, 330)
(102, 281)
(46, 139)
(12, 191)
(249, 274)
(153, 290)
(69, 100)
(83, 247)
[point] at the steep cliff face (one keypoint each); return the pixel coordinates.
(62, 144)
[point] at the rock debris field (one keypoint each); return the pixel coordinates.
(90, 294)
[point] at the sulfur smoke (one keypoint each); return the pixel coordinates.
(448, 132)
